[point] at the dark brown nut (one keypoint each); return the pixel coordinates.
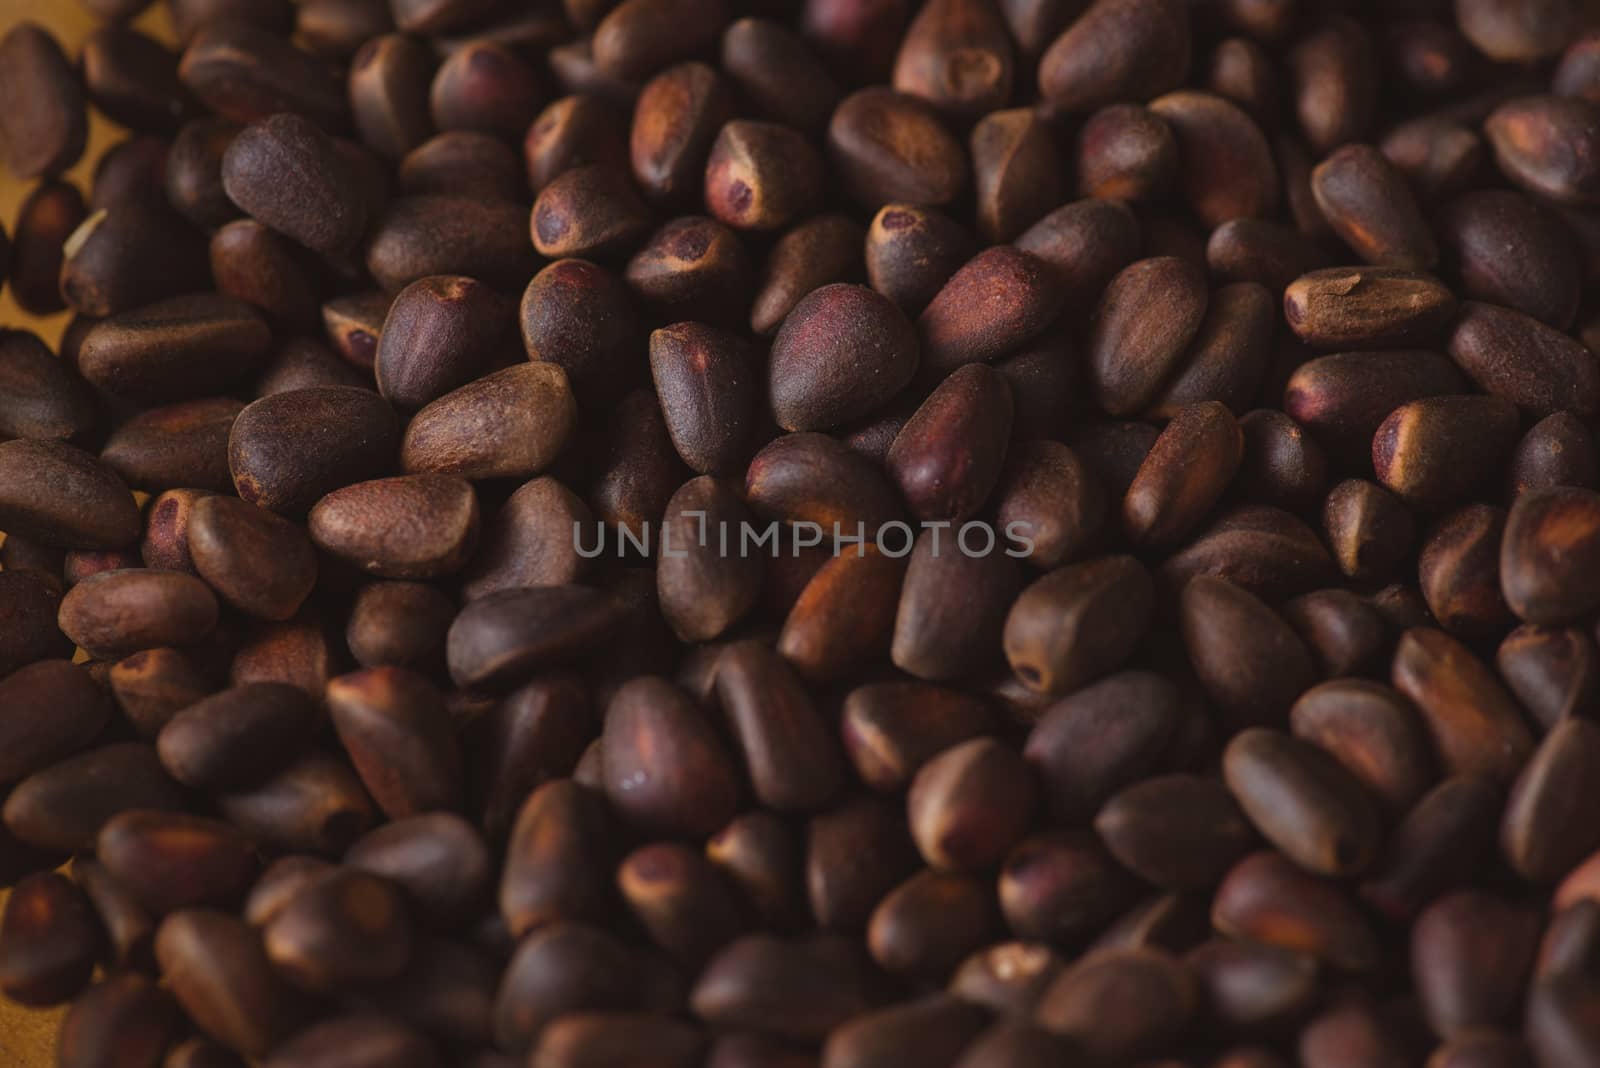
(1543, 833)
(1558, 1026)
(237, 738)
(1575, 74)
(49, 215)
(1458, 571)
(1441, 845)
(702, 589)
(1244, 71)
(843, 618)
(948, 456)
(969, 805)
(843, 893)
(347, 927)
(133, 79)
(439, 334)
(419, 236)
(590, 1039)
(263, 268)
(258, 562)
(447, 990)
(957, 56)
(1186, 472)
(1250, 987)
(1007, 976)
(299, 652)
(165, 545)
(245, 72)
(1117, 50)
(536, 734)
(465, 162)
(48, 941)
(1302, 801)
(389, 78)
(1120, 1004)
(353, 325)
(1014, 1044)
(356, 434)
(63, 807)
(1228, 171)
(887, 146)
(1545, 144)
(1508, 249)
(193, 173)
(1357, 1030)
(1048, 497)
(1266, 898)
(823, 250)
(636, 470)
(588, 211)
(812, 478)
(1017, 296)
(359, 1041)
(953, 606)
(183, 444)
(1341, 308)
(503, 637)
(562, 968)
(680, 900)
(930, 922)
(693, 268)
(928, 1030)
(115, 613)
(169, 861)
(279, 882)
(411, 527)
(778, 73)
(891, 729)
(1475, 725)
(1104, 737)
(579, 316)
(573, 131)
(761, 176)
(639, 37)
(1017, 172)
(129, 255)
(1078, 622)
(707, 381)
(1282, 465)
(1247, 657)
(799, 989)
(675, 120)
(440, 861)
(1568, 943)
(1180, 832)
(1133, 350)
(1433, 452)
(1514, 356)
(1437, 154)
(1264, 550)
(510, 424)
(665, 769)
(812, 386)
(1126, 152)
(399, 624)
(40, 397)
(430, 18)
(152, 686)
(760, 856)
(559, 859)
(1370, 731)
(1470, 955)
(29, 602)
(1335, 79)
(46, 122)
(185, 346)
(1515, 33)
(1258, 250)
(529, 541)
(1061, 887)
(130, 170)
(315, 805)
(912, 251)
(793, 762)
(395, 727)
(1552, 672)
(124, 1017)
(1342, 399)
(485, 86)
(1085, 244)
(1558, 450)
(53, 710)
(1370, 207)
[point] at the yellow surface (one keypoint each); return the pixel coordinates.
(27, 1038)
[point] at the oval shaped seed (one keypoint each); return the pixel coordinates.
(1458, 571)
(356, 434)
(1470, 955)
(1266, 898)
(315, 805)
(1121, 1004)
(589, 211)
(60, 496)
(815, 479)
(888, 146)
(1532, 365)
(530, 542)
(1342, 399)
(287, 173)
(237, 738)
(1440, 845)
(912, 251)
(1048, 496)
(257, 561)
(1433, 452)
(64, 806)
(1078, 622)
(1476, 727)
(1261, 549)
(411, 527)
(952, 608)
(389, 79)
(1368, 204)
(707, 382)
(183, 444)
(417, 237)
(1341, 308)
(1018, 173)
(394, 725)
(693, 268)
(579, 316)
(45, 219)
(1558, 450)
(1061, 887)
(1553, 672)
(1126, 152)
(359, 1041)
(947, 458)
(53, 710)
(1133, 349)
(1544, 833)
(1228, 171)
(1547, 556)
(1117, 50)
(48, 941)
(999, 300)
(1547, 145)
(761, 176)
(510, 424)
(45, 123)
(503, 637)
(559, 861)
(439, 334)
(1180, 832)
(1509, 250)
(1250, 987)
(675, 119)
(126, 1016)
(246, 71)
(40, 397)
(439, 859)
(1230, 354)
(466, 162)
(841, 354)
(169, 861)
(185, 346)
(347, 927)
(891, 729)
(926, 925)
(969, 805)
(638, 467)
(1372, 732)
(115, 613)
(560, 969)
(665, 769)
(1303, 802)
(1184, 475)
(1249, 660)
(844, 615)
(704, 590)
(821, 251)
